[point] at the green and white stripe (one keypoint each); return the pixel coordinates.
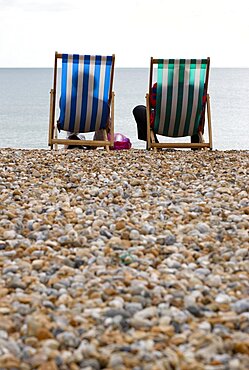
(180, 88)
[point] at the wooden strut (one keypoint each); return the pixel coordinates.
(209, 123)
(181, 145)
(53, 128)
(112, 120)
(50, 131)
(81, 142)
(148, 121)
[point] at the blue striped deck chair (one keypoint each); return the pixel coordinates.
(181, 102)
(86, 102)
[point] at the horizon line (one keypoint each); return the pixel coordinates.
(121, 67)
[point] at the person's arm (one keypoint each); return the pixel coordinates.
(153, 104)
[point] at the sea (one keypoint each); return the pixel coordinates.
(24, 106)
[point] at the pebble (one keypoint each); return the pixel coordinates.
(223, 298)
(241, 305)
(214, 281)
(124, 260)
(68, 339)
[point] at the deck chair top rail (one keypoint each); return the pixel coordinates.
(159, 60)
(60, 55)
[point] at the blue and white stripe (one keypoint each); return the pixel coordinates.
(85, 88)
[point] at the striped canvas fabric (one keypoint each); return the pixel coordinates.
(85, 85)
(180, 89)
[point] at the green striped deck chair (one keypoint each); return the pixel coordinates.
(86, 100)
(181, 101)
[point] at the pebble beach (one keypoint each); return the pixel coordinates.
(124, 260)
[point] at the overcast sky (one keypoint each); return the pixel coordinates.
(135, 30)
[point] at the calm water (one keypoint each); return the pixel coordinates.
(24, 106)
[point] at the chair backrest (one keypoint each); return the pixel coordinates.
(181, 85)
(86, 87)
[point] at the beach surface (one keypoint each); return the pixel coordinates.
(124, 260)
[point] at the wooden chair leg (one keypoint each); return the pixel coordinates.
(51, 119)
(148, 145)
(152, 136)
(107, 147)
(110, 126)
(112, 120)
(55, 136)
(209, 122)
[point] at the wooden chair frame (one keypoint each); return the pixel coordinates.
(151, 144)
(53, 131)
